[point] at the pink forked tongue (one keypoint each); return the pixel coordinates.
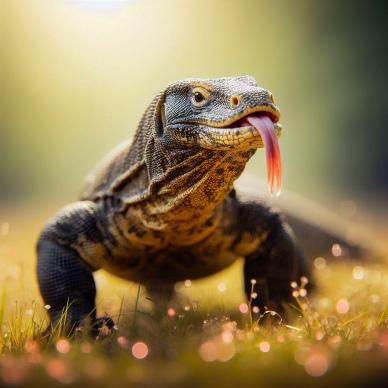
(266, 129)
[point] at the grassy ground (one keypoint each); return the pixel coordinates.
(340, 336)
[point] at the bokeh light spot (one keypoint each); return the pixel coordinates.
(86, 347)
(358, 272)
(122, 341)
(264, 346)
(31, 346)
(221, 286)
(316, 365)
(188, 283)
(320, 263)
(12, 372)
(140, 350)
(63, 346)
(243, 308)
(57, 369)
(342, 306)
(208, 351)
(227, 336)
(302, 292)
(336, 250)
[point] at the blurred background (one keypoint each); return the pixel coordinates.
(76, 76)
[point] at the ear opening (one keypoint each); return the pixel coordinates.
(163, 115)
(160, 114)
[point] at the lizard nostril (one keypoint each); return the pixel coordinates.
(235, 101)
(271, 97)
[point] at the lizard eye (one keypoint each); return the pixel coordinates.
(200, 97)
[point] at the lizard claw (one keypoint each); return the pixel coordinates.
(103, 326)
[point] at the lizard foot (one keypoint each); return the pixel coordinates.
(100, 328)
(103, 327)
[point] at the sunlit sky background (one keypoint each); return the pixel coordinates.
(77, 75)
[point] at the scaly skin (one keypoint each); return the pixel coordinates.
(162, 208)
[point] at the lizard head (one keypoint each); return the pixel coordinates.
(223, 114)
(212, 113)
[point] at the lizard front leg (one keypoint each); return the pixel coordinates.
(65, 279)
(274, 260)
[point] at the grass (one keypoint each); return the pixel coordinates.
(207, 338)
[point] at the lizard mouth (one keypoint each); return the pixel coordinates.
(255, 130)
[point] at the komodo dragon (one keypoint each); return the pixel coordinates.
(162, 208)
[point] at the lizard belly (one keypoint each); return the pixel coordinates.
(169, 266)
(141, 255)
(133, 250)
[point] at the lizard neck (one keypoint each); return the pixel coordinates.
(190, 191)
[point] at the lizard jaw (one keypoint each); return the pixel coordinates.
(240, 135)
(237, 132)
(252, 131)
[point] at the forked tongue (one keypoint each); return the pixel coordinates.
(266, 129)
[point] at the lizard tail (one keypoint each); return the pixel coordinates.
(321, 232)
